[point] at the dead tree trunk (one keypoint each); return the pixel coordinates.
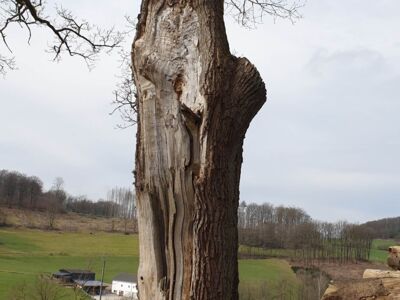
(195, 103)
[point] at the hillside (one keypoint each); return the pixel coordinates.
(387, 228)
(69, 221)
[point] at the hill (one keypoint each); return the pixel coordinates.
(387, 228)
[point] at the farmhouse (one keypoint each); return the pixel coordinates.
(71, 275)
(125, 284)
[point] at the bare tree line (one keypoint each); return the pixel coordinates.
(291, 228)
(18, 190)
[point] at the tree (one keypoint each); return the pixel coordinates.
(126, 208)
(195, 101)
(43, 289)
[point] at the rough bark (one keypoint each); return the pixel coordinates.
(195, 103)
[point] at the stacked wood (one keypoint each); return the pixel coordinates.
(372, 273)
(357, 290)
(394, 249)
(376, 284)
(393, 259)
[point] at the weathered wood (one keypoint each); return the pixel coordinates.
(357, 290)
(393, 259)
(195, 103)
(372, 273)
(394, 249)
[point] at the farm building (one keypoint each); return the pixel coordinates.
(125, 284)
(71, 275)
(92, 287)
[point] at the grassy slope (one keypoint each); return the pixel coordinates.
(267, 279)
(25, 253)
(273, 270)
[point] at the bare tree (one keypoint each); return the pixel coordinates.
(126, 207)
(3, 218)
(125, 95)
(43, 289)
(251, 12)
(195, 101)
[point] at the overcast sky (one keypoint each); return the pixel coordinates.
(327, 140)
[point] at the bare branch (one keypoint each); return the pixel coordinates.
(251, 12)
(72, 36)
(6, 63)
(125, 95)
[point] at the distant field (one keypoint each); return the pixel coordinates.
(26, 253)
(273, 253)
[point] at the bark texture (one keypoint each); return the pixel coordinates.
(195, 103)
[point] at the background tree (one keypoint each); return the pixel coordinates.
(60, 196)
(126, 206)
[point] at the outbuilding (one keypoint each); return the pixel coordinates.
(70, 275)
(125, 284)
(92, 287)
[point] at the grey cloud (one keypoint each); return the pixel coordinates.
(353, 62)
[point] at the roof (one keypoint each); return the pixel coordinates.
(125, 277)
(61, 274)
(76, 271)
(91, 283)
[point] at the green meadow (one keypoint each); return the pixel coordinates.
(24, 254)
(379, 249)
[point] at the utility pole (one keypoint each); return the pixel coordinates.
(102, 277)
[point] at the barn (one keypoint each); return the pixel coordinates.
(71, 275)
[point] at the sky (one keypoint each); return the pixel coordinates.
(327, 140)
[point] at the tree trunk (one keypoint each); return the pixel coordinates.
(195, 103)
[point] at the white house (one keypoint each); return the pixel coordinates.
(125, 284)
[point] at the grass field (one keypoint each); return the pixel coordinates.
(379, 251)
(273, 253)
(26, 253)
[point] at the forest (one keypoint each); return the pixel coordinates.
(18, 190)
(387, 228)
(292, 228)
